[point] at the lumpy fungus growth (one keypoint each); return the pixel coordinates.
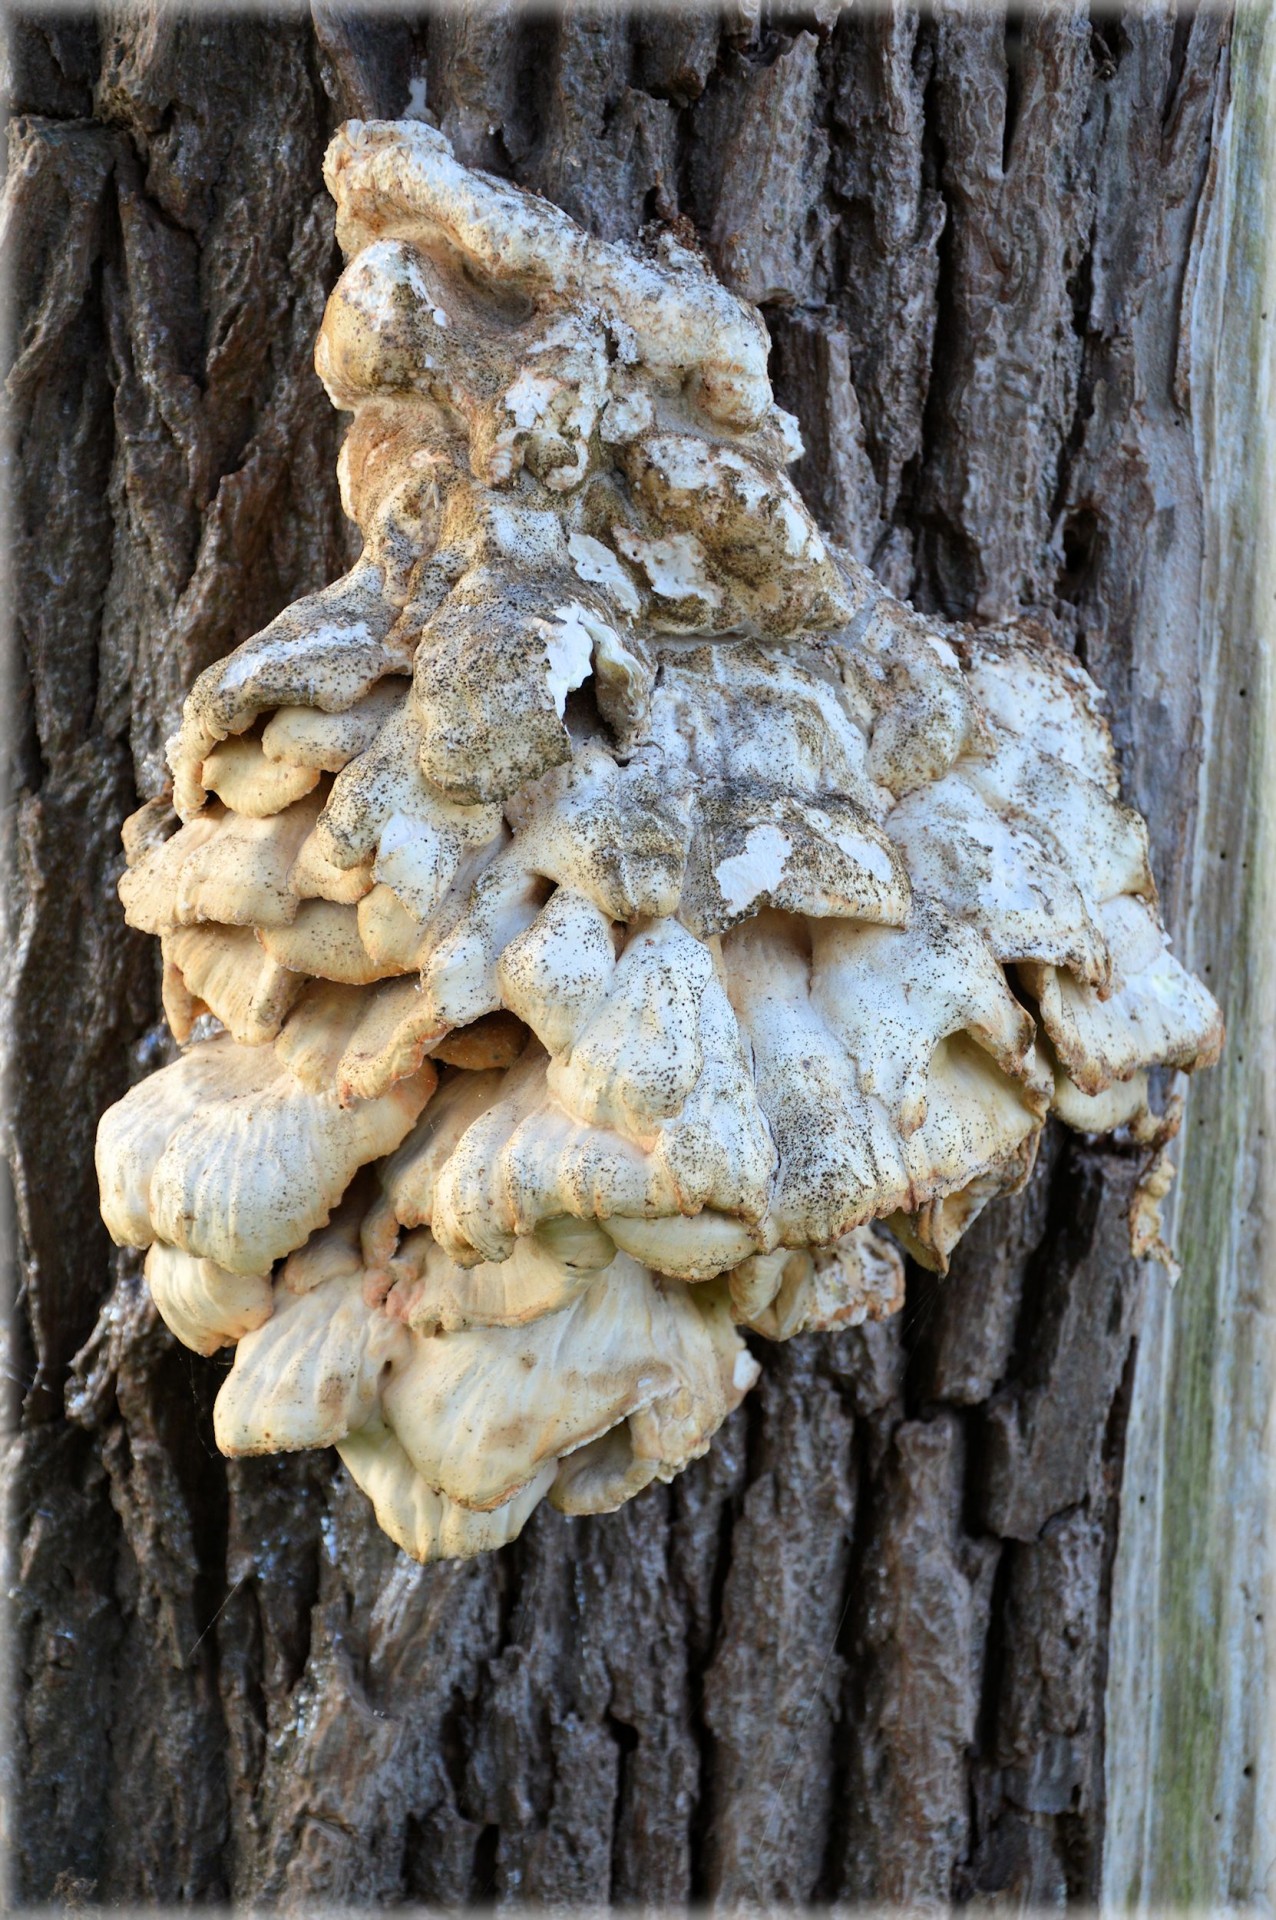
(606, 918)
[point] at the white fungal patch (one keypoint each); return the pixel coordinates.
(745, 1372)
(528, 397)
(626, 416)
(569, 647)
(757, 869)
(748, 482)
(564, 333)
(675, 565)
(687, 463)
(866, 853)
(599, 566)
(415, 106)
(790, 434)
(797, 532)
(416, 282)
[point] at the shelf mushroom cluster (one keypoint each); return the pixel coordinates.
(587, 918)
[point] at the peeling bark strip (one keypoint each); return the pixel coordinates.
(1192, 1764)
(859, 1651)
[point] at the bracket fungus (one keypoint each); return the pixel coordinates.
(606, 919)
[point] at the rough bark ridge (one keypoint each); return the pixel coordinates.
(859, 1651)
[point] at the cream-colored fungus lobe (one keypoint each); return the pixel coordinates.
(611, 919)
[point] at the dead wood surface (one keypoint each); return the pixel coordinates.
(859, 1651)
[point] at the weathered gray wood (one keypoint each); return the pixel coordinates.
(1192, 1693)
(859, 1651)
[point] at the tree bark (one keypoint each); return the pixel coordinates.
(860, 1651)
(1192, 1761)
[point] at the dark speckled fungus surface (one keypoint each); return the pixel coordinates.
(588, 917)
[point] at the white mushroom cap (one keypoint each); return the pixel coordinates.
(309, 737)
(201, 1303)
(786, 1292)
(221, 866)
(559, 969)
(424, 1522)
(658, 1441)
(435, 1295)
(1026, 685)
(893, 994)
(994, 871)
(313, 876)
(241, 776)
(225, 971)
(326, 651)
(409, 1177)
(932, 1230)
(313, 1373)
(602, 1475)
(934, 1113)
(480, 1412)
(1117, 1106)
(1153, 1011)
(226, 1155)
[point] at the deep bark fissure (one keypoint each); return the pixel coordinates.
(911, 512)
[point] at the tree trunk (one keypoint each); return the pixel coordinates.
(860, 1650)
(1192, 1758)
